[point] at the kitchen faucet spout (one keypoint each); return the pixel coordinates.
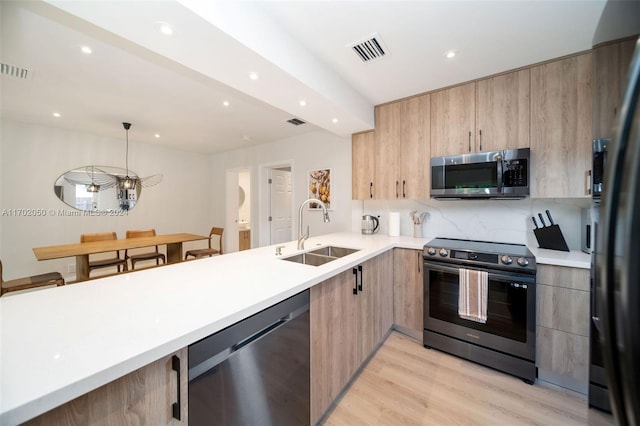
(301, 236)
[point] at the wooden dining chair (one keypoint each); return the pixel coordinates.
(42, 280)
(98, 261)
(147, 255)
(208, 251)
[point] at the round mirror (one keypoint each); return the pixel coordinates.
(99, 188)
(241, 196)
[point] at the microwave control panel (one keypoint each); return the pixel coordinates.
(515, 173)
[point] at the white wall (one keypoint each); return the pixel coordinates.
(314, 150)
(33, 157)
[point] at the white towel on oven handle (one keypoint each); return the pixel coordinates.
(473, 294)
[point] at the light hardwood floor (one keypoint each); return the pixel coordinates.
(406, 384)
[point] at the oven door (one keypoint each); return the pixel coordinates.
(510, 326)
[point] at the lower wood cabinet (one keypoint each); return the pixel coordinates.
(408, 285)
(244, 240)
(347, 324)
(143, 397)
(562, 326)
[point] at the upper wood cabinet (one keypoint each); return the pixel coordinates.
(502, 112)
(363, 157)
(610, 67)
(453, 120)
(488, 115)
(561, 116)
(403, 149)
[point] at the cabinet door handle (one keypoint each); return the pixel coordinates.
(480, 139)
(404, 194)
(588, 182)
(396, 189)
(175, 365)
(419, 260)
(370, 189)
(355, 284)
(469, 140)
(360, 271)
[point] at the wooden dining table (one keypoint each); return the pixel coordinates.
(81, 251)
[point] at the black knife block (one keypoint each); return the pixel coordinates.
(550, 237)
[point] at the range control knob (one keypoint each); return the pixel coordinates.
(431, 251)
(506, 259)
(522, 261)
(443, 252)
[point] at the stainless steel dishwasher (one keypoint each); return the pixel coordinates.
(255, 372)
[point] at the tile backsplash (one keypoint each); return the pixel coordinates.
(488, 220)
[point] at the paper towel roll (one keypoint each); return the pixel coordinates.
(394, 224)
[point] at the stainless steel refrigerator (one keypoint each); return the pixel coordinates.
(617, 258)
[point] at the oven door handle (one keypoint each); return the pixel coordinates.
(492, 275)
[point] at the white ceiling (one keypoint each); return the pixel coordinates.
(175, 85)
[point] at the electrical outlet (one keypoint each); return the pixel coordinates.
(71, 268)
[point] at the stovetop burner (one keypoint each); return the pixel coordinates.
(506, 256)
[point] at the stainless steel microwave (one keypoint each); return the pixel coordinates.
(495, 174)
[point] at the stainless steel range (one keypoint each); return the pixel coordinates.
(506, 339)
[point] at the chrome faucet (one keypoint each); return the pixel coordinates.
(303, 237)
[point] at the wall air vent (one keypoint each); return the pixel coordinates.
(295, 121)
(370, 48)
(13, 71)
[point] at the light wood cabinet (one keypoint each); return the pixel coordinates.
(408, 291)
(363, 159)
(347, 327)
(333, 315)
(561, 121)
(562, 326)
(244, 240)
(403, 149)
(610, 66)
(502, 112)
(488, 115)
(375, 303)
(145, 397)
(453, 120)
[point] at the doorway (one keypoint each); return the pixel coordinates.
(237, 233)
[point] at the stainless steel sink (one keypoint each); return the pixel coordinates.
(334, 251)
(320, 256)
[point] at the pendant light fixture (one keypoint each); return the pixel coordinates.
(93, 187)
(128, 182)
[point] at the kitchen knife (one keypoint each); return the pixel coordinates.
(544, 225)
(534, 221)
(550, 218)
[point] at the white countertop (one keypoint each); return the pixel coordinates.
(57, 344)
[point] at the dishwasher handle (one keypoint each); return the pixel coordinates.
(268, 329)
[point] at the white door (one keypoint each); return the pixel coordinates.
(281, 199)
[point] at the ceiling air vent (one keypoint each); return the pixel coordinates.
(370, 48)
(295, 121)
(13, 71)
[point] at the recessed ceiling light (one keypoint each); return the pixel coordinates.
(303, 103)
(86, 49)
(56, 115)
(334, 120)
(225, 103)
(246, 138)
(157, 135)
(253, 75)
(450, 54)
(165, 28)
